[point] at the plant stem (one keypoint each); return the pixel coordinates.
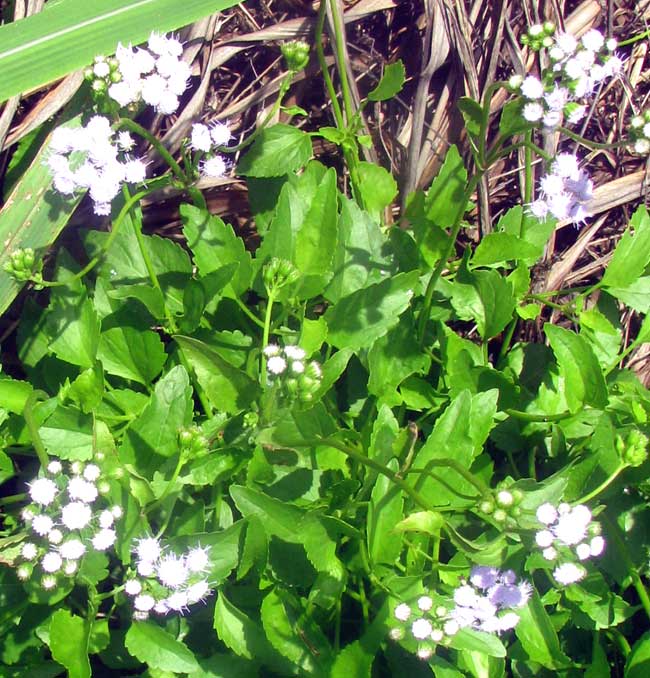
(544, 418)
(165, 154)
(28, 415)
(265, 336)
(603, 486)
(318, 39)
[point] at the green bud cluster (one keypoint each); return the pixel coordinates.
(102, 74)
(279, 273)
(633, 449)
(539, 35)
(503, 505)
(296, 54)
(22, 265)
(288, 371)
(192, 442)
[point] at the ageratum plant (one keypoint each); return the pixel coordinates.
(335, 454)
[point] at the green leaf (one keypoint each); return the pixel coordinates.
(87, 389)
(363, 316)
(68, 434)
(537, 635)
(239, 632)
(225, 666)
(14, 394)
(445, 203)
(394, 357)
(512, 121)
(158, 649)
(358, 259)
(293, 637)
(74, 328)
(215, 245)
(316, 239)
(390, 84)
(384, 513)
(635, 294)
(153, 436)
(478, 641)
(378, 188)
(584, 383)
(632, 252)
(353, 662)
(34, 214)
(68, 35)
(638, 661)
(69, 642)
(472, 114)
(133, 354)
(228, 388)
(277, 150)
(495, 249)
(486, 298)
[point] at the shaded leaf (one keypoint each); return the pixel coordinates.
(158, 649)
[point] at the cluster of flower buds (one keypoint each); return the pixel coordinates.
(23, 265)
(287, 367)
(296, 54)
(165, 582)
(569, 535)
(156, 74)
(93, 158)
(564, 191)
(192, 442)
(577, 67)
(68, 516)
(485, 602)
(503, 506)
(640, 132)
(207, 139)
(277, 274)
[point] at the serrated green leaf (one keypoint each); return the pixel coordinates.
(131, 353)
(584, 383)
(363, 316)
(69, 642)
(512, 121)
(444, 201)
(384, 513)
(215, 245)
(632, 252)
(74, 328)
(68, 35)
(390, 84)
(229, 388)
(538, 637)
(153, 435)
(378, 188)
(68, 434)
(478, 641)
(495, 249)
(277, 150)
(158, 649)
(638, 661)
(472, 114)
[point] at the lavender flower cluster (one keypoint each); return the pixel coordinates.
(165, 582)
(569, 536)
(577, 68)
(93, 158)
(485, 602)
(67, 517)
(640, 132)
(565, 191)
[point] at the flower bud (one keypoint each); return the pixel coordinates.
(500, 515)
(635, 449)
(296, 54)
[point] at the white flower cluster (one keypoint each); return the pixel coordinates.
(299, 378)
(156, 74)
(569, 535)
(640, 132)
(166, 582)
(207, 139)
(485, 603)
(67, 517)
(565, 191)
(577, 67)
(93, 158)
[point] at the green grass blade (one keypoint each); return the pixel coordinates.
(70, 33)
(33, 216)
